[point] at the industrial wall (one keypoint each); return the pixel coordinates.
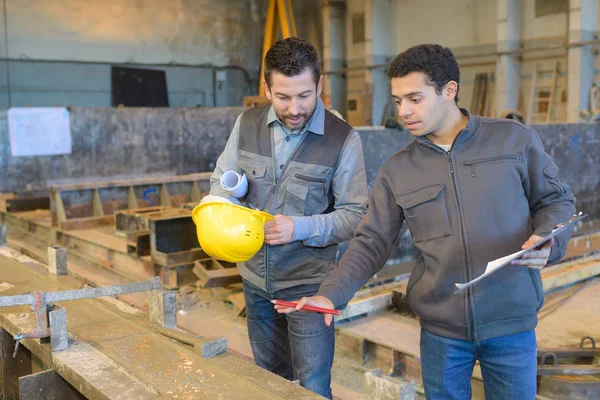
(119, 142)
(60, 51)
(469, 28)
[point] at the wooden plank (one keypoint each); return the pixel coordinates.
(28, 204)
(570, 272)
(58, 209)
(137, 219)
(47, 385)
(87, 223)
(139, 245)
(255, 101)
(97, 209)
(371, 300)
(174, 278)
(239, 303)
(169, 260)
(117, 355)
(581, 245)
(217, 277)
(202, 176)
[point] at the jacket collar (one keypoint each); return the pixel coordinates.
(463, 136)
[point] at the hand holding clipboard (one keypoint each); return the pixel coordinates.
(495, 265)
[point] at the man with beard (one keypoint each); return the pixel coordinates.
(305, 166)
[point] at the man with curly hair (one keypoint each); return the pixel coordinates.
(471, 190)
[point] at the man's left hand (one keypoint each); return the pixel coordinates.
(538, 257)
(279, 230)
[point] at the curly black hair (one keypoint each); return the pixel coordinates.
(291, 57)
(435, 61)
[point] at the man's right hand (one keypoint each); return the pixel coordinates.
(317, 301)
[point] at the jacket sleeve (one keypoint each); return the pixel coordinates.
(370, 248)
(228, 160)
(550, 200)
(349, 185)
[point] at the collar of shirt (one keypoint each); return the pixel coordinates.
(315, 124)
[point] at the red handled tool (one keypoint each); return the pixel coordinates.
(306, 308)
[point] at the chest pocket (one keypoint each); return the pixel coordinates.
(306, 195)
(426, 213)
(258, 187)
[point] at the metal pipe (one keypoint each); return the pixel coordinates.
(210, 66)
(79, 294)
(567, 46)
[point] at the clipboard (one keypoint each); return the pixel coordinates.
(495, 265)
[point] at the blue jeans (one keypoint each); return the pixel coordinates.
(508, 366)
(295, 346)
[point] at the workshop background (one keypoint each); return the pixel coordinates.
(113, 114)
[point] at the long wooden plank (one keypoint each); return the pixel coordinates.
(581, 245)
(136, 219)
(117, 355)
(87, 223)
(131, 182)
(571, 272)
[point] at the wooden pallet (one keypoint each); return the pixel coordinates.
(212, 273)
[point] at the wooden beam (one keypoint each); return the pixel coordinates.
(216, 277)
(131, 199)
(202, 176)
(568, 273)
(165, 199)
(195, 193)
(185, 257)
(97, 209)
(59, 215)
(173, 278)
(369, 300)
(28, 204)
(581, 245)
(87, 223)
(239, 303)
(137, 219)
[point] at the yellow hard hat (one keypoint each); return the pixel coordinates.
(229, 232)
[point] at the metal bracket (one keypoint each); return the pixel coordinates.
(52, 319)
(575, 361)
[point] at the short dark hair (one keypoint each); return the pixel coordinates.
(291, 57)
(435, 61)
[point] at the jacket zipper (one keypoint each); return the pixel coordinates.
(469, 293)
(312, 179)
(474, 163)
(273, 197)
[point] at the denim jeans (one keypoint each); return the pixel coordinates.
(295, 346)
(508, 366)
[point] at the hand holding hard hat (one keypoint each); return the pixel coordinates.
(227, 231)
(279, 230)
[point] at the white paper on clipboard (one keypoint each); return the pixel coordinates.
(499, 263)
